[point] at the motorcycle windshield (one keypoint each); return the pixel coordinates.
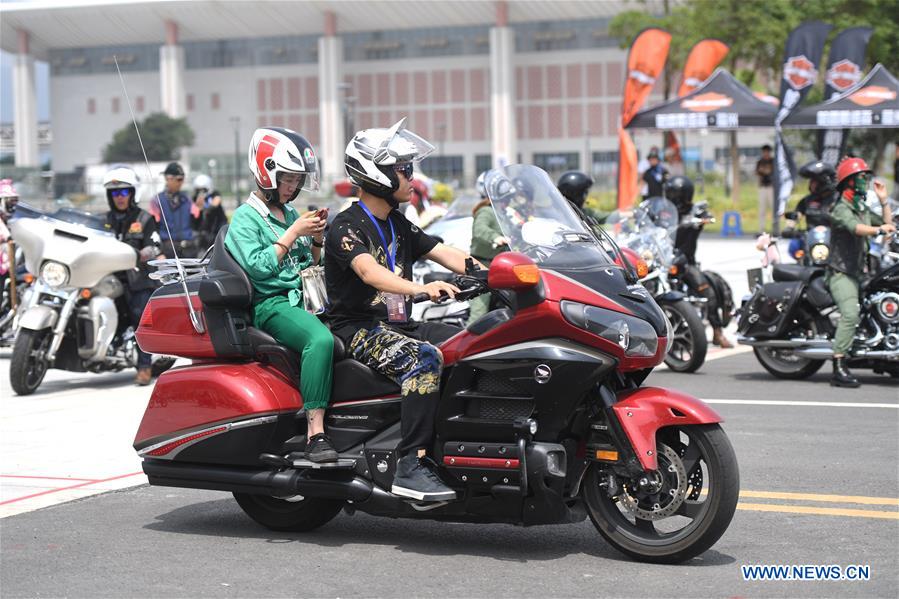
(649, 230)
(540, 223)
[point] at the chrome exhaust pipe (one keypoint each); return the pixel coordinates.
(794, 343)
(276, 483)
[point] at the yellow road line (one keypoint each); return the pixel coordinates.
(824, 498)
(821, 511)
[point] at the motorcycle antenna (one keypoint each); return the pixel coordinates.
(195, 319)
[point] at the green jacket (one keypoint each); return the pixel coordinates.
(252, 243)
(848, 251)
(484, 229)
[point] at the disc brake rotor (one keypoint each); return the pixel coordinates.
(668, 500)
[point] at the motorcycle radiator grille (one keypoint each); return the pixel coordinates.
(488, 382)
(500, 408)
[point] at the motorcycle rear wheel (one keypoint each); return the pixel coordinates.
(708, 498)
(293, 514)
(688, 343)
(29, 364)
(795, 369)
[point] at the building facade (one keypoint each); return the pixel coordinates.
(545, 91)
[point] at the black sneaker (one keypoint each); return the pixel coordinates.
(319, 449)
(416, 480)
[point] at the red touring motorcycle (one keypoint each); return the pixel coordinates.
(542, 419)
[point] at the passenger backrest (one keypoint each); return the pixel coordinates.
(227, 295)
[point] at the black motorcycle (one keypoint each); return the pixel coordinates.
(790, 323)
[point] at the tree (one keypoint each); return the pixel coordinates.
(757, 31)
(162, 135)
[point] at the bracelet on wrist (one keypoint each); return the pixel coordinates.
(318, 244)
(283, 247)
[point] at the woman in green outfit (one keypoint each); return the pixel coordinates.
(487, 240)
(272, 242)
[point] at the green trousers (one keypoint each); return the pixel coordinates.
(480, 305)
(844, 290)
(305, 334)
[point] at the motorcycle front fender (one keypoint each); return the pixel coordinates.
(670, 297)
(38, 318)
(642, 412)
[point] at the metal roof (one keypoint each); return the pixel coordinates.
(90, 23)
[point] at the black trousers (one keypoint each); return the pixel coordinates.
(700, 284)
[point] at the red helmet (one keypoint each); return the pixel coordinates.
(848, 167)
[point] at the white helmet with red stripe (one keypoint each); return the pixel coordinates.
(273, 151)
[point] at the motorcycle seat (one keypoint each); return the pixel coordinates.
(352, 379)
(795, 272)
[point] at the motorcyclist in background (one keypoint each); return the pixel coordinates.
(575, 186)
(212, 215)
(180, 213)
(138, 229)
(815, 206)
(8, 200)
(679, 190)
(487, 240)
(852, 223)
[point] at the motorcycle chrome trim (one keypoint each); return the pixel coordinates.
(342, 463)
(363, 402)
(204, 433)
(543, 349)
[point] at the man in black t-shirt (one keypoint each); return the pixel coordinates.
(369, 252)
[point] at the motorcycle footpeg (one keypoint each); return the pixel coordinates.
(274, 460)
(297, 459)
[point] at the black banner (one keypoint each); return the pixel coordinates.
(802, 56)
(845, 65)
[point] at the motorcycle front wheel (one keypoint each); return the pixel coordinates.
(29, 364)
(688, 344)
(684, 509)
(294, 514)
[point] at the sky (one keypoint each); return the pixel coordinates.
(42, 82)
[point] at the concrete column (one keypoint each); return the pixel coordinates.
(330, 67)
(171, 73)
(502, 89)
(25, 104)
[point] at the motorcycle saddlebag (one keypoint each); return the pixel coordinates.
(766, 315)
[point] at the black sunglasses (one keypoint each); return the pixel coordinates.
(120, 193)
(406, 169)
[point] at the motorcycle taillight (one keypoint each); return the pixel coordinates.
(146, 319)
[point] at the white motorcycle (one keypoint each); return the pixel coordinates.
(70, 320)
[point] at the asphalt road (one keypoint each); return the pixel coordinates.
(819, 486)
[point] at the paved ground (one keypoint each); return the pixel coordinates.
(818, 477)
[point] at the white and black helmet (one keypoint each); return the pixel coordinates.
(372, 154)
(273, 151)
(120, 176)
(481, 184)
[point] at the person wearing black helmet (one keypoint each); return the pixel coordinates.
(138, 229)
(655, 176)
(822, 187)
(575, 186)
(679, 190)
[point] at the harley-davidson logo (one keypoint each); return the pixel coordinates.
(800, 72)
(708, 101)
(843, 75)
(872, 94)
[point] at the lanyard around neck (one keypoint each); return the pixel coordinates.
(389, 251)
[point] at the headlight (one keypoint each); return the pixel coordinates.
(54, 274)
(820, 253)
(634, 335)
